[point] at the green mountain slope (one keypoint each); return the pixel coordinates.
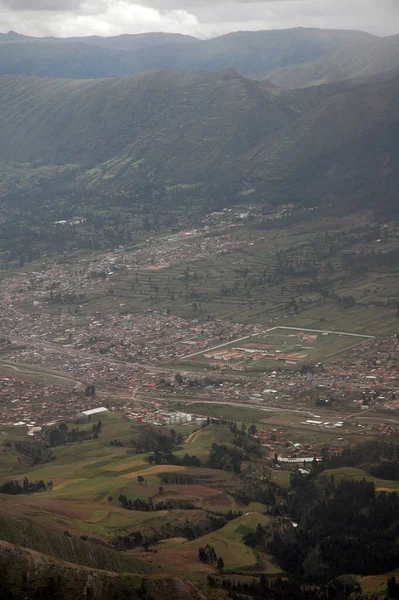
(345, 145)
(53, 542)
(359, 59)
(229, 133)
(31, 574)
(179, 125)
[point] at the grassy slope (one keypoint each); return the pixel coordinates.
(177, 125)
(32, 574)
(85, 475)
(362, 58)
(170, 128)
(356, 474)
(52, 541)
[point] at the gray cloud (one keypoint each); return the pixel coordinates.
(40, 5)
(202, 18)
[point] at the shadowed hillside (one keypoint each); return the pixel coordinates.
(358, 59)
(165, 128)
(179, 126)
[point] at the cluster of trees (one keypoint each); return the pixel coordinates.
(149, 504)
(371, 452)
(248, 444)
(198, 382)
(344, 301)
(257, 539)
(116, 443)
(285, 589)
(168, 458)
(257, 491)
(157, 440)
(227, 459)
(38, 454)
(348, 529)
(393, 588)
(208, 555)
(61, 434)
(187, 529)
(27, 487)
(177, 478)
(386, 470)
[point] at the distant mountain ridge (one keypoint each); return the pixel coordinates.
(276, 54)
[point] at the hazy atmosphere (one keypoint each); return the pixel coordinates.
(202, 18)
(199, 300)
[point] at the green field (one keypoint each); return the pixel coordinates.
(355, 474)
(86, 475)
(227, 543)
(265, 282)
(280, 347)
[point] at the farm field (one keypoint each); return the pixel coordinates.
(227, 542)
(221, 275)
(85, 476)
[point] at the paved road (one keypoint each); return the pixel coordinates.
(220, 346)
(27, 370)
(274, 409)
(360, 335)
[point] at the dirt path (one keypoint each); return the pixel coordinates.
(192, 437)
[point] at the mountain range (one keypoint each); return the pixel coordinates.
(195, 125)
(289, 58)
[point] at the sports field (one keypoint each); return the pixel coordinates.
(280, 347)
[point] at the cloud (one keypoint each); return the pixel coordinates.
(47, 5)
(202, 18)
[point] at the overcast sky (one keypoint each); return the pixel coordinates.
(202, 18)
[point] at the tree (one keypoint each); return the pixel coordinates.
(140, 479)
(220, 564)
(392, 588)
(179, 379)
(138, 538)
(324, 454)
(202, 556)
(161, 490)
(252, 430)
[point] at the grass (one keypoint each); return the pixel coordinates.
(278, 340)
(356, 474)
(257, 301)
(86, 475)
(376, 584)
(227, 543)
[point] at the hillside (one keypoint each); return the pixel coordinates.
(181, 127)
(359, 59)
(249, 53)
(27, 573)
(345, 145)
(165, 128)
